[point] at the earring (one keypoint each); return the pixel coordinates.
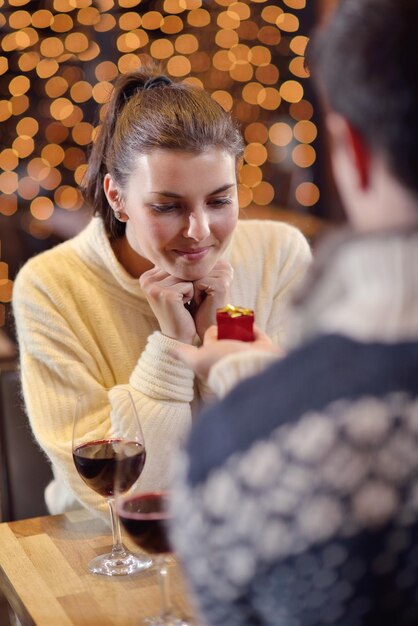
(118, 216)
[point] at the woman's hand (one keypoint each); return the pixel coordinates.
(210, 293)
(167, 296)
(202, 359)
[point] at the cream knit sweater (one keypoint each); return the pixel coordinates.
(84, 324)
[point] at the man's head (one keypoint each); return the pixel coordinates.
(364, 60)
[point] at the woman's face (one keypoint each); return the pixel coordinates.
(182, 209)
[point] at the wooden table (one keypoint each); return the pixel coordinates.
(43, 575)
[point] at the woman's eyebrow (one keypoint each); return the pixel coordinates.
(171, 194)
(223, 188)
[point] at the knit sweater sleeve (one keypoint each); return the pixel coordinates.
(60, 358)
(235, 367)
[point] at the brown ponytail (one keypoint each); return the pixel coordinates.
(148, 111)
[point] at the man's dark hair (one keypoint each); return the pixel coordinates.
(364, 60)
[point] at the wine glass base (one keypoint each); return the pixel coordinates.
(123, 564)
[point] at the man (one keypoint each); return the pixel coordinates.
(296, 502)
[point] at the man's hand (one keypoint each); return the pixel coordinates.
(202, 359)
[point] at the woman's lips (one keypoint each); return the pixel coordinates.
(193, 254)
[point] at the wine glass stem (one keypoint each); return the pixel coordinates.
(161, 564)
(116, 534)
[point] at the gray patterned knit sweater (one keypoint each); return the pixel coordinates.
(296, 500)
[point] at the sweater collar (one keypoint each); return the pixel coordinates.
(361, 285)
(95, 247)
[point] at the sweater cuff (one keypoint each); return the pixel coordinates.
(159, 375)
(206, 393)
(233, 368)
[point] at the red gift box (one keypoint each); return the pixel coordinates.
(235, 322)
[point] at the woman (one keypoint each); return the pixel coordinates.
(164, 250)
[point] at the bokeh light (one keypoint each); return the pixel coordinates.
(307, 194)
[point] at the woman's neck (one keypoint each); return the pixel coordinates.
(131, 261)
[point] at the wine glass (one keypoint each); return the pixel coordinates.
(145, 517)
(96, 458)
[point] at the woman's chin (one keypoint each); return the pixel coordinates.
(191, 272)
(189, 276)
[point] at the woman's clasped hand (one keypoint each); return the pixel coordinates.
(186, 308)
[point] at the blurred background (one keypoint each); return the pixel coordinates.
(58, 59)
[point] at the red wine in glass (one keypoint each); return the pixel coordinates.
(97, 461)
(107, 437)
(145, 517)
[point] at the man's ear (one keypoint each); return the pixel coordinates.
(345, 136)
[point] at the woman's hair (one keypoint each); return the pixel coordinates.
(365, 62)
(147, 111)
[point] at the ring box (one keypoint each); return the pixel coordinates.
(235, 322)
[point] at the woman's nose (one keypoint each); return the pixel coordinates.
(198, 225)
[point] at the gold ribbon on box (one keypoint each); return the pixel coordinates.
(235, 311)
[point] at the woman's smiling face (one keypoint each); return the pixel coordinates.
(182, 209)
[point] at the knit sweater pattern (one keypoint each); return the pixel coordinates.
(302, 507)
